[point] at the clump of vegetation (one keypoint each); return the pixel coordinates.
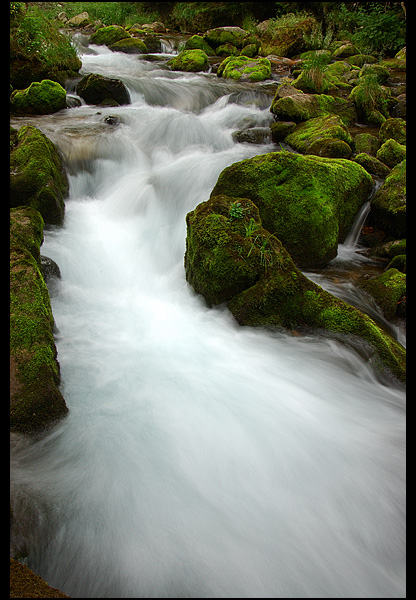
(34, 35)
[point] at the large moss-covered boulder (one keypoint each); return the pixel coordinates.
(243, 68)
(308, 202)
(322, 136)
(105, 36)
(231, 258)
(40, 98)
(298, 106)
(97, 89)
(189, 60)
(35, 398)
(388, 207)
(129, 46)
(37, 175)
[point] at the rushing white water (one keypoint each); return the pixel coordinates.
(199, 459)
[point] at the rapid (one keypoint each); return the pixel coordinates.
(199, 459)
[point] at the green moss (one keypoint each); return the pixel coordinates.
(388, 207)
(129, 46)
(40, 98)
(393, 129)
(308, 137)
(301, 107)
(244, 68)
(37, 176)
(108, 35)
(371, 100)
(308, 202)
(220, 36)
(387, 289)
(366, 142)
(391, 153)
(189, 60)
(35, 399)
(197, 42)
(372, 165)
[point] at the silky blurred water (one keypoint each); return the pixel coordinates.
(199, 458)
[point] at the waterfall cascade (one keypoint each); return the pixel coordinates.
(199, 459)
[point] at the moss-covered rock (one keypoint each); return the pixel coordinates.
(391, 153)
(380, 73)
(243, 68)
(387, 290)
(372, 165)
(301, 107)
(393, 129)
(281, 129)
(37, 175)
(345, 51)
(189, 60)
(370, 100)
(308, 202)
(197, 42)
(97, 89)
(288, 39)
(359, 60)
(223, 35)
(40, 98)
(227, 50)
(129, 46)
(231, 258)
(105, 36)
(322, 136)
(35, 399)
(388, 207)
(251, 50)
(366, 142)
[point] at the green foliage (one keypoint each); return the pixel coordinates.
(34, 36)
(380, 31)
(109, 13)
(236, 211)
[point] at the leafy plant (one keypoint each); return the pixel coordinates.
(251, 228)
(236, 211)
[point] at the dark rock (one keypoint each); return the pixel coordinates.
(94, 89)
